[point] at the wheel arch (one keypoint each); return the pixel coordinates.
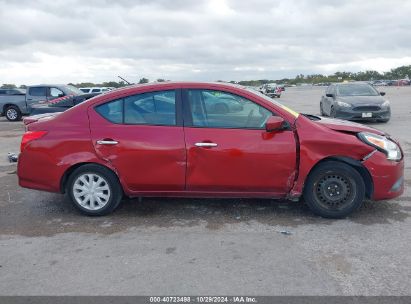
(64, 179)
(357, 165)
(5, 106)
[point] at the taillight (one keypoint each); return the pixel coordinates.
(30, 136)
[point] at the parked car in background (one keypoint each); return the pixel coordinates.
(161, 139)
(221, 103)
(271, 89)
(401, 82)
(281, 87)
(59, 104)
(15, 106)
(97, 90)
(355, 101)
(382, 83)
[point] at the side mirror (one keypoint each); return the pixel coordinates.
(274, 123)
(382, 93)
(60, 95)
(329, 95)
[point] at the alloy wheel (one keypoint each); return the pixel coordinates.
(12, 114)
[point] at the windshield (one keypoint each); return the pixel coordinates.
(356, 90)
(74, 90)
(294, 113)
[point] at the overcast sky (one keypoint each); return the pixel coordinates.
(77, 41)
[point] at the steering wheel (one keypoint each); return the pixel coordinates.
(249, 117)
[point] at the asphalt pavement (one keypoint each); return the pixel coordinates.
(205, 246)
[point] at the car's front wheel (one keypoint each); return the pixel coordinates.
(94, 190)
(334, 190)
(12, 113)
(321, 109)
(333, 113)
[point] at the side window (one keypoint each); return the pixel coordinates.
(2, 92)
(54, 92)
(217, 109)
(112, 111)
(38, 91)
(95, 91)
(154, 108)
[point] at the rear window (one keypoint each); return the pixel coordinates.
(112, 111)
(154, 108)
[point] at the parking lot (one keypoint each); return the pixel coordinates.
(203, 246)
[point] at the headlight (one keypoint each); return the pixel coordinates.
(343, 104)
(385, 104)
(383, 144)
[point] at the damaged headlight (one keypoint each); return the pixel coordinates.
(383, 144)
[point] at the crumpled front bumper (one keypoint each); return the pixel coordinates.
(387, 176)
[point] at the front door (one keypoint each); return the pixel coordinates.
(228, 149)
(143, 139)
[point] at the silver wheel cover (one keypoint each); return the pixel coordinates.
(91, 191)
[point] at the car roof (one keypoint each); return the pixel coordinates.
(49, 85)
(351, 83)
(181, 84)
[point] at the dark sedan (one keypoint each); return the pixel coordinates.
(355, 101)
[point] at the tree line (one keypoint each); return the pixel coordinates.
(394, 74)
(401, 72)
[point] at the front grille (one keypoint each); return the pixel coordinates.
(367, 108)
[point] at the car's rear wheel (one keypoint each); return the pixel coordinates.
(334, 190)
(12, 113)
(94, 190)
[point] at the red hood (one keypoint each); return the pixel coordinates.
(347, 126)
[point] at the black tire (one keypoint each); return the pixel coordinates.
(321, 109)
(334, 190)
(12, 113)
(332, 112)
(109, 178)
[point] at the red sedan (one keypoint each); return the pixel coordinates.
(206, 140)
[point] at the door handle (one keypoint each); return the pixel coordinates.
(107, 142)
(205, 144)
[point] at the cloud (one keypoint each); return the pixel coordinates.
(74, 41)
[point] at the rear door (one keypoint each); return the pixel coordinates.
(142, 137)
(36, 94)
(228, 149)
